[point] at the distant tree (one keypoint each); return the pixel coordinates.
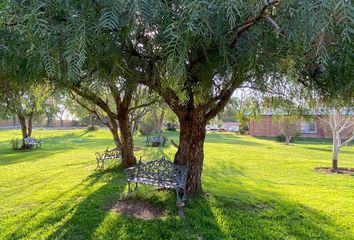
(148, 125)
(75, 109)
(171, 119)
(159, 115)
(247, 109)
(24, 101)
(138, 109)
(340, 122)
(230, 110)
(51, 109)
(289, 127)
(62, 109)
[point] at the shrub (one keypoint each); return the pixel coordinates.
(289, 127)
(243, 129)
(282, 138)
(147, 127)
(92, 128)
(16, 144)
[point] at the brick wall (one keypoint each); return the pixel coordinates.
(267, 126)
(39, 124)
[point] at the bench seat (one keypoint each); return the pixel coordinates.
(159, 173)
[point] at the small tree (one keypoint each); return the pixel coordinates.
(289, 127)
(24, 101)
(148, 125)
(340, 122)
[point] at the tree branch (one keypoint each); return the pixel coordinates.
(223, 97)
(144, 105)
(275, 25)
(249, 22)
(348, 141)
(95, 99)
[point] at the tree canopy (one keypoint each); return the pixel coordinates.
(194, 54)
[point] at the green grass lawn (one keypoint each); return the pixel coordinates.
(257, 189)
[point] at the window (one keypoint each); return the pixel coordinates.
(308, 127)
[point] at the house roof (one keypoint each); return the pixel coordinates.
(309, 112)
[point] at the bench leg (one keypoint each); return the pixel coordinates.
(129, 189)
(136, 186)
(181, 195)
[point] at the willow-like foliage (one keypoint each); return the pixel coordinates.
(214, 42)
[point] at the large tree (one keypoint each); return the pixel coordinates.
(116, 106)
(196, 53)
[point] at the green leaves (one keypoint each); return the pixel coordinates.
(344, 15)
(110, 16)
(75, 48)
(36, 22)
(233, 11)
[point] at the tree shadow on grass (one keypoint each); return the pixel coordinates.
(229, 138)
(92, 218)
(240, 215)
(328, 150)
(54, 145)
(247, 216)
(72, 217)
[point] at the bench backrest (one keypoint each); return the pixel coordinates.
(111, 153)
(30, 141)
(160, 139)
(163, 170)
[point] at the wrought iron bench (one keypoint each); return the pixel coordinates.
(156, 141)
(160, 173)
(31, 142)
(107, 154)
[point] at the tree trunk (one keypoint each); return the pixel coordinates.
(14, 120)
(287, 140)
(30, 124)
(335, 153)
(23, 125)
(61, 118)
(48, 124)
(127, 147)
(114, 131)
(159, 122)
(191, 148)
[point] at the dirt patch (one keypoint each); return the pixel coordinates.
(329, 170)
(137, 208)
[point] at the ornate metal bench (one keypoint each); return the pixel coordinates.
(107, 154)
(156, 141)
(31, 142)
(160, 173)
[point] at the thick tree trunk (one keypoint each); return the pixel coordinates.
(287, 140)
(22, 121)
(127, 147)
(114, 131)
(191, 148)
(30, 124)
